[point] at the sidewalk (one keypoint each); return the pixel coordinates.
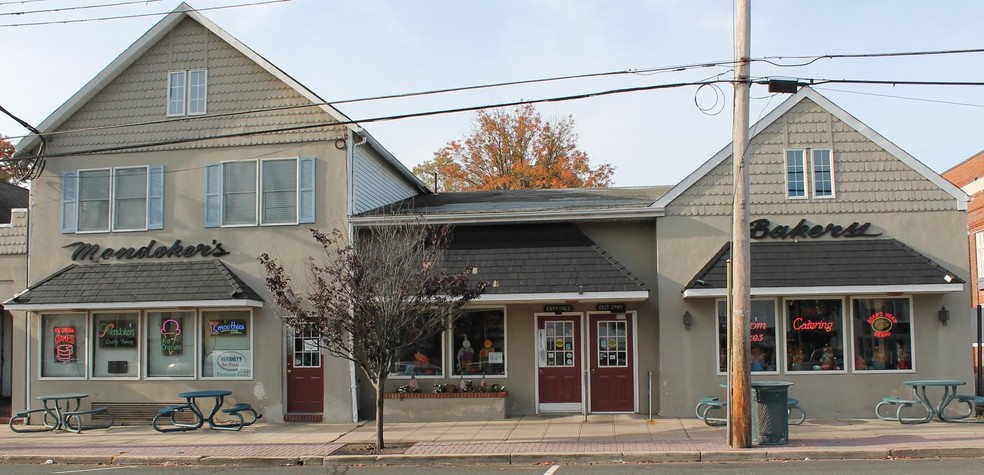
(522, 440)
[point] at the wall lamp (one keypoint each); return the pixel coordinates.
(944, 315)
(688, 319)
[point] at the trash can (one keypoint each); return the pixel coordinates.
(770, 412)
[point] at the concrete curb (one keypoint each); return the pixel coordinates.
(838, 454)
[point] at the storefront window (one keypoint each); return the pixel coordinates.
(762, 325)
(815, 335)
(63, 346)
(479, 343)
(170, 344)
(227, 349)
(882, 334)
(115, 352)
(425, 359)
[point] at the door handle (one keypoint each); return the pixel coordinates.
(289, 370)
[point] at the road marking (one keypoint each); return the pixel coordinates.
(551, 470)
(92, 469)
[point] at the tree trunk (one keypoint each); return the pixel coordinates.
(379, 412)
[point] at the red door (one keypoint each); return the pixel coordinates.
(305, 375)
(612, 385)
(559, 357)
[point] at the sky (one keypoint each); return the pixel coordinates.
(350, 49)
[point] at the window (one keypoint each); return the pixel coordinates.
(795, 174)
(979, 237)
(170, 344)
(113, 199)
(186, 88)
(115, 351)
(265, 192)
(823, 174)
(558, 339)
(882, 334)
(612, 344)
(63, 346)
(227, 345)
(426, 359)
(479, 343)
(815, 335)
(762, 326)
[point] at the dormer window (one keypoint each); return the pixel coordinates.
(813, 178)
(187, 92)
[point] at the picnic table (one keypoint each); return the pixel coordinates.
(919, 387)
(58, 414)
(192, 405)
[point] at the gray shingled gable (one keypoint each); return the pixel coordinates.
(821, 263)
(11, 197)
(138, 282)
(537, 258)
(507, 201)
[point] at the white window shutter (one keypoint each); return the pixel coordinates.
(155, 197)
(213, 195)
(70, 183)
(305, 190)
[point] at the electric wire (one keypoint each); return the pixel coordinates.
(892, 96)
(138, 15)
(82, 7)
(22, 2)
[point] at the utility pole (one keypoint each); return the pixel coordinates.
(739, 409)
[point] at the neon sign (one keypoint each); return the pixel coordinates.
(882, 323)
(227, 327)
(758, 330)
(64, 344)
(801, 324)
(116, 333)
(171, 343)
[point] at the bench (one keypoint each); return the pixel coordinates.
(172, 413)
(900, 404)
(243, 407)
(708, 404)
(25, 417)
(974, 403)
(78, 427)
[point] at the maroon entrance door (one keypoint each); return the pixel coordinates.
(612, 385)
(559, 358)
(305, 375)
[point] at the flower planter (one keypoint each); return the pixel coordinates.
(431, 407)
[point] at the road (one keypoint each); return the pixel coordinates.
(818, 467)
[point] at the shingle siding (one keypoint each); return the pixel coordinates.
(867, 179)
(375, 183)
(13, 236)
(235, 84)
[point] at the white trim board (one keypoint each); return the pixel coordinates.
(133, 305)
(831, 290)
(563, 297)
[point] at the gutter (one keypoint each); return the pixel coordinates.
(512, 217)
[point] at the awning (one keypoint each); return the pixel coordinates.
(201, 283)
(540, 263)
(828, 267)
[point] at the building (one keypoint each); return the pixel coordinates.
(969, 176)
(857, 259)
(172, 170)
(13, 275)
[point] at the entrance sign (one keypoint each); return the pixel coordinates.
(558, 308)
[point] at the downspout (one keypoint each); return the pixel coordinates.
(351, 234)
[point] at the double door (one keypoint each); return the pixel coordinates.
(609, 382)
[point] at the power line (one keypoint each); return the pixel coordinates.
(296, 128)
(139, 15)
(813, 59)
(21, 2)
(83, 7)
(936, 101)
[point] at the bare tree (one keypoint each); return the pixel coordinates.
(389, 292)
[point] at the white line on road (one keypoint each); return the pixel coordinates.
(92, 469)
(551, 470)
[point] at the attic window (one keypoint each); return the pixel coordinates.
(187, 92)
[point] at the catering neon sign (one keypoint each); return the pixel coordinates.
(801, 324)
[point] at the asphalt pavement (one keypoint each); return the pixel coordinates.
(519, 441)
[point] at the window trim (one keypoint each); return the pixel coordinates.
(813, 173)
(184, 93)
(444, 369)
(806, 174)
(111, 224)
(780, 348)
(200, 348)
(505, 342)
(92, 348)
(145, 374)
(40, 351)
(256, 194)
(979, 252)
(844, 334)
(204, 89)
(912, 337)
(260, 192)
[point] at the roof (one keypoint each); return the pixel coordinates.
(523, 205)
(816, 267)
(11, 197)
(808, 93)
(155, 34)
(539, 262)
(199, 283)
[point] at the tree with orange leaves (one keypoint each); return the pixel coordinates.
(514, 150)
(8, 171)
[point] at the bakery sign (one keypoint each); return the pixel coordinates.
(153, 250)
(763, 229)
